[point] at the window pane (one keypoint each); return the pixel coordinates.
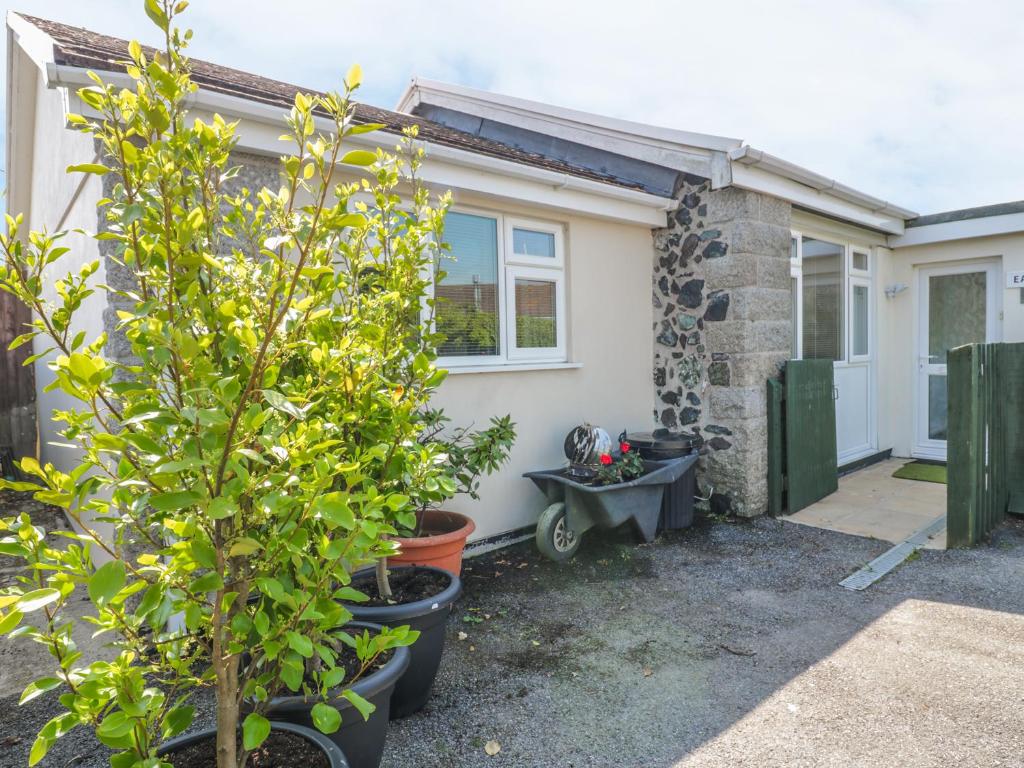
(467, 310)
(937, 407)
(526, 242)
(860, 260)
(956, 313)
(794, 351)
(822, 300)
(536, 326)
(860, 319)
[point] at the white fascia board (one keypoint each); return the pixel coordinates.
(667, 147)
(755, 158)
(759, 180)
(38, 45)
(986, 226)
(260, 126)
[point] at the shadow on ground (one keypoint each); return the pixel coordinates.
(730, 644)
(726, 644)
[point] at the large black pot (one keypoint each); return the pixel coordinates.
(362, 741)
(335, 757)
(429, 617)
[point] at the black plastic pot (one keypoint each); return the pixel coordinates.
(429, 617)
(335, 757)
(362, 741)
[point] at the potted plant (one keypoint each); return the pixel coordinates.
(439, 536)
(249, 455)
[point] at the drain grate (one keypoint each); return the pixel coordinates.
(888, 560)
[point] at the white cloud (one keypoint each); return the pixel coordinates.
(917, 102)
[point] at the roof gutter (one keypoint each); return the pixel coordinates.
(59, 75)
(776, 165)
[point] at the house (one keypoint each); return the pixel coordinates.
(606, 271)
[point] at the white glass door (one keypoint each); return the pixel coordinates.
(833, 319)
(958, 305)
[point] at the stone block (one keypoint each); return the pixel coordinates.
(732, 203)
(737, 402)
(772, 336)
(733, 271)
(775, 210)
(751, 236)
(757, 303)
(729, 336)
(755, 368)
(773, 273)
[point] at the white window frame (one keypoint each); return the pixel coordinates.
(510, 266)
(520, 354)
(856, 280)
(548, 228)
(854, 249)
(796, 271)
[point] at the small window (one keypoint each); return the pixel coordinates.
(860, 261)
(534, 300)
(859, 308)
(500, 299)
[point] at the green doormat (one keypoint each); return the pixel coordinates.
(919, 470)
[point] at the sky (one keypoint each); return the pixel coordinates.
(919, 103)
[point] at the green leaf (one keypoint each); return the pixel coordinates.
(326, 718)
(255, 730)
(9, 621)
(301, 644)
(106, 582)
(36, 599)
(38, 688)
(221, 507)
(173, 500)
(244, 546)
(281, 403)
(365, 707)
(156, 14)
(359, 157)
(177, 720)
(88, 168)
(208, 582)
(334, 508)
(353, 77)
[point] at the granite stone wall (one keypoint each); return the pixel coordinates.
(721, 296)
(256, 171)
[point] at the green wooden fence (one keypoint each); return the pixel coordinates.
(985, 440)
(801, 436)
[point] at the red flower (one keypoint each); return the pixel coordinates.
(606, 459)
(624, 446)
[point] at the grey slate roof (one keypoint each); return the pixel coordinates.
(963, 214)
(77, 47)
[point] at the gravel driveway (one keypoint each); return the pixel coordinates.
(723, 645)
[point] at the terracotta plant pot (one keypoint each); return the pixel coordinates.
(441, 545)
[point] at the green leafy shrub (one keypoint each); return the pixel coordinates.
(256, 448)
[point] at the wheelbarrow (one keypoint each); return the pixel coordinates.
(574, 507)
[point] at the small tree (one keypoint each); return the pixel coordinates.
(252, 454)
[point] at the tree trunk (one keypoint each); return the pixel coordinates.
(227, 706)
(383, 585)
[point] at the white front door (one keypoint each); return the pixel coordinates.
(958, 305)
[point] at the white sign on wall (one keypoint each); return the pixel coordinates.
(1015, 279)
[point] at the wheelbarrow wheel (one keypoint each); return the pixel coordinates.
(554, 539)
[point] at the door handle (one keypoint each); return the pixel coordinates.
(835, 392)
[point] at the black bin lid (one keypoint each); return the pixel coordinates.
(661, 440)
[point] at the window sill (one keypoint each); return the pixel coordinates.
(509, 367)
